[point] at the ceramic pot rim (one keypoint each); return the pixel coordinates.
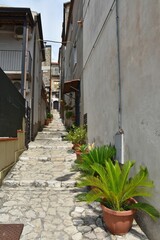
(120, 213)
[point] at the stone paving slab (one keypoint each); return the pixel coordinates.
(39, 192)
(52, 130)
(42, 171)
(57, 129)
(49, 143)
(52, 153)
(50, 214)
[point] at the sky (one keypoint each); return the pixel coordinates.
(51, 16)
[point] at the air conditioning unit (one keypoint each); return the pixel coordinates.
(18, 32)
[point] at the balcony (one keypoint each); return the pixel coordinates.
(11, 63)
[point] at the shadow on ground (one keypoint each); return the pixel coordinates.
(65, 177)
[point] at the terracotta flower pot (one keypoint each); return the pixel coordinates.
(75, 146)
(46, 122)
(118, 222)
(78, 153)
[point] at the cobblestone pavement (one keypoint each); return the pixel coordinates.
(39, 192)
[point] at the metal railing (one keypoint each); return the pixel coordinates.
(12, 107)
(11, 60)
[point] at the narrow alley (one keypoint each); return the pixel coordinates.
(39, 192)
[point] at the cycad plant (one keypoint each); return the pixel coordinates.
(82, 148)
(95, 155)
(113, 187)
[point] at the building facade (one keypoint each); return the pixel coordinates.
(121, 83)
(21, 56)
(71, 62)
(46, 69)
(55, 85)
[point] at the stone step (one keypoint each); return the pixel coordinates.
(54, 129)
(53, 133)
(48, 147)
(39, 183)
(48, 137)
(42, 171)
(45, 158)
(45, 143)
(53, 154)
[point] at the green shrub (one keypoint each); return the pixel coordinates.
(49, 115)
(77, 135)
(69, 114)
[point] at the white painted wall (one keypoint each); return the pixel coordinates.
(9, 42)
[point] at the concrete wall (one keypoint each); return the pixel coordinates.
(139, 66)
(46, 67)
(10, 149)
(74, 39)
(37, 84)
(43, 112)
(100, 72)
(73, 60)
(55, 84)
(9, 42)
(140, 57)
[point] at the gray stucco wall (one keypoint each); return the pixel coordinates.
(74, 44)
(140, 58)
(139, 22)
(100, 73)
(73, 59)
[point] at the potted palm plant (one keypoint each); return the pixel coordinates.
(49, 117)
(95, 155)
(116, 191)
(83, 149)
(80, 150)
